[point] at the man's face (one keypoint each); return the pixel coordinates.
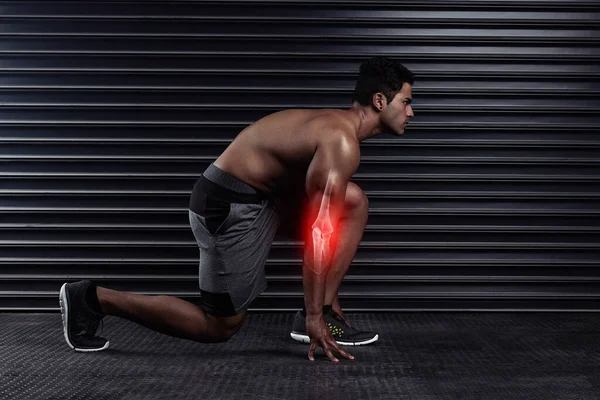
(396, 115)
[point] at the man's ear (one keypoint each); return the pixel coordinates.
(379, 101)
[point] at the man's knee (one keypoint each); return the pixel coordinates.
(224, 328)
(219, 337)
(228, 333)
(356, 200)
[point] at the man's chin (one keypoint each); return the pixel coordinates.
(391, 131)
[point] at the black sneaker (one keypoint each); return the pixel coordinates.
(342, 333)
(80, 323)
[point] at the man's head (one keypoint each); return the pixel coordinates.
(386, 87)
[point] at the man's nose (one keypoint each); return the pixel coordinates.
(410, 112)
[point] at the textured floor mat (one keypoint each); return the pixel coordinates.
(418, 356)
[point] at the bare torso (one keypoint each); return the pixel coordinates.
(274, 153)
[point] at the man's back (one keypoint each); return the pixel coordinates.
(276, 151)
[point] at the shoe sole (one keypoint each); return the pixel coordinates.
(64, 310)
(305, 339)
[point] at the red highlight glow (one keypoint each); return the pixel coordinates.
(309, 217)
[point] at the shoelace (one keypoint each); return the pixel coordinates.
(341, 320)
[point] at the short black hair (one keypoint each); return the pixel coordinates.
(380, 74)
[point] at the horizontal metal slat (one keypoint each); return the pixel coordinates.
(464, 108)
(432, 54)
(591, 39)
(411, 221)
(182, 84)
(290, 271)
(56, 245)
(366, 251)
(316, 69)
(288, 248)
(381, 199)
(480, 263)
(226, 133)
(65, 178)
(390, 161)
(211, 124)
(392, 188)
(298, 278)
(405, 19)
(405, 294)
(424, 211)
(432, 103)
(37, 226)
(276, 45)
(188, 7)
(395, 151)
(47, 67)
(202, 117)
(283, 251)
(371, 143)
(387, 211)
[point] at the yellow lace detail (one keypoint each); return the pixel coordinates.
(335, 331)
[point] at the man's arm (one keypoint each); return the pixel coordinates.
(327, 177)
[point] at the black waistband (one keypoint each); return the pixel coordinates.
(204, 187)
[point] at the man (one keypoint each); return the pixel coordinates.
(290, 171)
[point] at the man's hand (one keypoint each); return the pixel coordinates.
(320, 335)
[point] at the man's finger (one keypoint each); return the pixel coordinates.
(328, 351)
(337, 348)
(311, 351)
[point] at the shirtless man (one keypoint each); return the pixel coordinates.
(288, 173)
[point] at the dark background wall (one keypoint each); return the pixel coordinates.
(110, 110)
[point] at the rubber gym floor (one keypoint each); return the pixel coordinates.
(420, 355)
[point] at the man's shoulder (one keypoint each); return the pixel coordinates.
(341, 138)
(335, 138)
(333, 127)
(341, 148)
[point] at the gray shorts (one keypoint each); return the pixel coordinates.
(234, 225)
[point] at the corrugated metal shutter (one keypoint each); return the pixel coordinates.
(110, 111)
